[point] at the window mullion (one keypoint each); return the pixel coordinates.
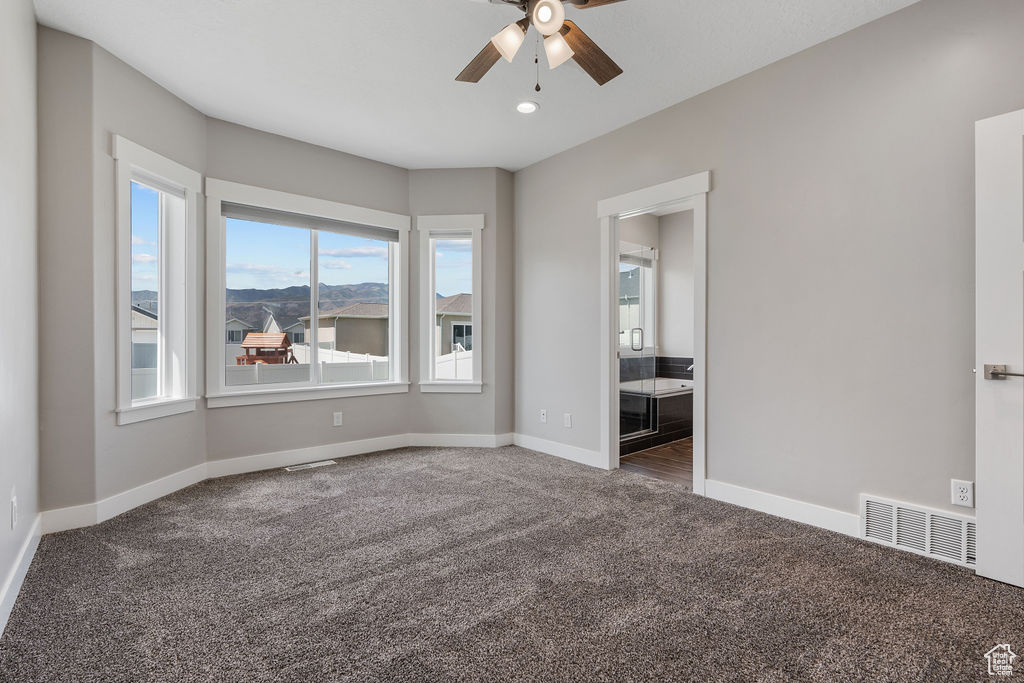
(163, 349)
(314, 306)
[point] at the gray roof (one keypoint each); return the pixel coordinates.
(357, 310)
(460, 304)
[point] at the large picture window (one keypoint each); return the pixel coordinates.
(156, 211)
(450, 281)
(310, 296)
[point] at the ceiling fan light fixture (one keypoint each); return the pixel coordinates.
(557, 50)
(509, 40)
(547, 16)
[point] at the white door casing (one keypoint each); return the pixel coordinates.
(684, 194)
(999, 291)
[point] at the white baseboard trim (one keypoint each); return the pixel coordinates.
(140, 495)
(298, 456)
(561, 450)
(11, 586)
(78, 516)
(788, 508)
(460, 440)
(64, 519)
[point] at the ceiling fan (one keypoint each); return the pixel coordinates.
(563, 40)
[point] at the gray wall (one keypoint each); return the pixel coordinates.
(841, 281)
(67, 469)
(85, 96)
(127, 103)
(19, 417)
(675, 285)
(642, 230)
(470, 191)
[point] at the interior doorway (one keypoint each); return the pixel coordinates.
(652, 401)
(656, 330)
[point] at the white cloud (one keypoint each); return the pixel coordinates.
(337, 264)
(143, 258)
(357, 252)
(140, 242)
(276, 273)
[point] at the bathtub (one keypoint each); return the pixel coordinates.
(659, 386)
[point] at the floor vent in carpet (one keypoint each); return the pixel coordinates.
(935, 533)
(310, 465)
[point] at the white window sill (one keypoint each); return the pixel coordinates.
(154, 410)
(251, 398)
(451, 387)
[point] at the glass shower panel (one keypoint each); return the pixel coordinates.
(636, 338)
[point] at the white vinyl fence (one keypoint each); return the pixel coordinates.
(144, 384)
(336, 367)
(456, 365)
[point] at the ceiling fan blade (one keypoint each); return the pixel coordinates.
(588, 55)
(588, 4)
(480, 65)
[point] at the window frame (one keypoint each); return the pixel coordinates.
(218, 394)
(458, 226)
(135, 163)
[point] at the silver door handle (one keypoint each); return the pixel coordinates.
(637, 339)
(999, 372)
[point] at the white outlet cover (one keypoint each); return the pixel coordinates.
(567, 420)
(962, 492)
(544, 416)
(339, 419)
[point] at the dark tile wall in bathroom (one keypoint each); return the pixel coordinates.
(673, 367)
(636, 367)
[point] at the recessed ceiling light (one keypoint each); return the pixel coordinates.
(527, 107)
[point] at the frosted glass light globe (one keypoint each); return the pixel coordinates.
(548, 16)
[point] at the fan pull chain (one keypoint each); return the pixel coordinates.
(536, 60)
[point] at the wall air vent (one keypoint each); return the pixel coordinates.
(935, 533)
(310, 465)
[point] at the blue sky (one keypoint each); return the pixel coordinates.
(454, 264)
(145, 237)
(263, 256)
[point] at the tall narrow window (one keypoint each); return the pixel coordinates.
(145, 282)
(450, 278)
(310, 297)
(156, 200)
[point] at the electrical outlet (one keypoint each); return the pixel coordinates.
(962, 492)
(14, 512)
(567, 420)
(338, 419)
(544, 416)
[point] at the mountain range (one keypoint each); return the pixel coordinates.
(287, 304)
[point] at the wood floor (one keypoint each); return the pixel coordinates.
(671, 462)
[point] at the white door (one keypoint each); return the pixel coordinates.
(999, 261)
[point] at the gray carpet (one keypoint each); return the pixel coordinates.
(440, 564)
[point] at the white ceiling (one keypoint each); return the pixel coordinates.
(377, 78)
